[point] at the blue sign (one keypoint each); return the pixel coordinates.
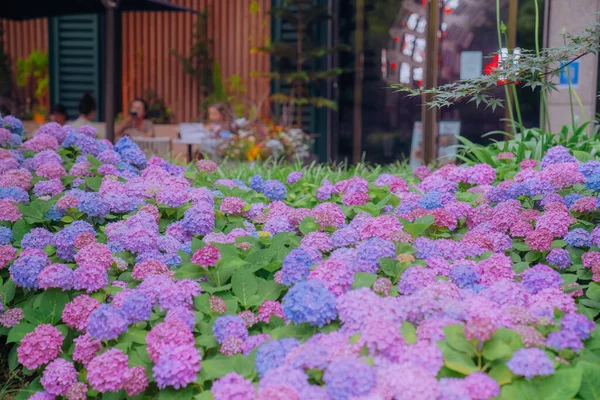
(573, 75)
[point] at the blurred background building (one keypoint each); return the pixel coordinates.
(173, 58)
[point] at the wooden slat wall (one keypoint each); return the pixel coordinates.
(21, 38)
(148, 39)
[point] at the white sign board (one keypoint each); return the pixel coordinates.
(471, 64)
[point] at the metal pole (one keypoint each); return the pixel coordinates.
(109, 85)
(358, 79)
(429, 115)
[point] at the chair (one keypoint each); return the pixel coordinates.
(154, 146)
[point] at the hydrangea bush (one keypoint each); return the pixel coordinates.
(123, 276)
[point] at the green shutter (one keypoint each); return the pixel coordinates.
(75, 61)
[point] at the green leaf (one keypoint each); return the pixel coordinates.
(222, 272)
(20, 228)
(17, 332)
(169, 393)
(494, 349)
(409, 332)
(590, 388)
(363, 279)
(53, 303)
(297, 331)
(457, 361)
(35, 316)
(114, 395)
(519, 390)
(94, 183)
(308, 225)
(532, 256)
(206, 395)
(455, 338)
(269, 290)
(563, 385)
(582, 156)
(391, 267)
(520, 267)
(502, 374)
(593, 291)
(207, 341)
(134, 335)
(244, 285)
(7, 291)
(221, 365)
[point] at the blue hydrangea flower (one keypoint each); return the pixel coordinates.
(256, 183)
(579, 324)
(564, 339)
(137, 307)
(370, 251)
(589, 168)
(107, 322)
(407, 206)
(578, 237)
(310, 301)
(14, 125)
(92, 204)
(272, 354)
(6, 235)
(570, 199)
(296, 266)
(559, 258)
(64, 240)
(25, 269)
(198, 220)
(518, 189)
(557, 155)
(538, 187)
(274, 190)
(498, 195)
(530, 362)
(37, 238)
(15, 193)
(465, 277)
(87, 145)
(593, 182)
(343, 237)
(540, 277)
(228, 326)
(53, 214)
(431, 200)
(347, 378)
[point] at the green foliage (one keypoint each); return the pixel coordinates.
(530, 69)
(199, 63)
(295, 63)
(34, 66)
(157, 109)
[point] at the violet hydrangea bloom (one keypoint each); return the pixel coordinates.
(311, 302)
(530, 363)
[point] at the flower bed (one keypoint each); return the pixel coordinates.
(122, 276)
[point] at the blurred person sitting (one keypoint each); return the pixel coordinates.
(87, 111)
(136, 123)
(220, 121)
(58, 114)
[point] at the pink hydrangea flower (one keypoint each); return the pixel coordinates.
(107, 371)
(58, 377)
(9, 211)
(86, 348)
(136, 381)
(207, 256)
(40, 346)
(77, 311)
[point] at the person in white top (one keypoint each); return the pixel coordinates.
(87, 113)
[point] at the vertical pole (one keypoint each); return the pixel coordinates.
(358, 80)
(429, 115)
(109, 85)
(513, 10)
